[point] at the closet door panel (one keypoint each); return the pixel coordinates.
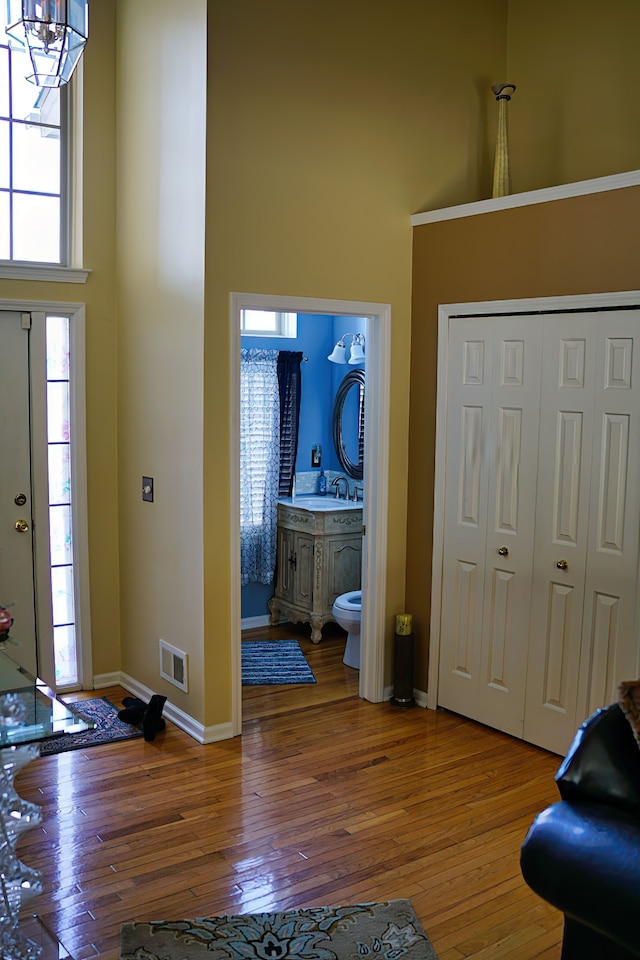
(469, 386)
(562, 525)
(512, 448)
(610, 627)
(494, 386)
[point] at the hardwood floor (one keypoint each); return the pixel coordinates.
(325, 799)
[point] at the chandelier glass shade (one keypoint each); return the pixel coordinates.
(53, 33)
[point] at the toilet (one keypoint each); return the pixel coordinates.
(346, 611)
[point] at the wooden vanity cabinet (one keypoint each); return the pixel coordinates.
(319, 557)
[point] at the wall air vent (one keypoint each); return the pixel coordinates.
(173, 665)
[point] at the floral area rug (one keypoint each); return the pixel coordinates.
(387, 931)
(274, 662)
(107, 728)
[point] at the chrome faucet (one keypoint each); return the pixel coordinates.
(356, 498)
(336, 483)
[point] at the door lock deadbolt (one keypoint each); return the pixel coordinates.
(20, 500)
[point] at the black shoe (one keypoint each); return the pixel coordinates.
(134, 711)
(153, 721)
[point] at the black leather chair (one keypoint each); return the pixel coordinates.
(583, 854)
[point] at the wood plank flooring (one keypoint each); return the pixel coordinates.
(325, 799)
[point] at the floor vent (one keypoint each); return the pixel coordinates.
(173, 665)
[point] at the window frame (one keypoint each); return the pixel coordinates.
(14, 268)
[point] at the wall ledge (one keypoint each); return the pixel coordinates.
(579, 189)
(22, 271)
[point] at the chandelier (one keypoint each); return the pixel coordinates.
(53, 32)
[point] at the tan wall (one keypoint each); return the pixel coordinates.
(98, 229)
(574, 246)
(327, 126)
(161, 101)
(576, 112)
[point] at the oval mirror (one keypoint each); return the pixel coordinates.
(348, 424)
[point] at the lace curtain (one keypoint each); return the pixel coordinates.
(269, 417)
(259, 464)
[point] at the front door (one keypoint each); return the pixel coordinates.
(17, 590)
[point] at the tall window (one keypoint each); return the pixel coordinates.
(32, 175)
(60, 521)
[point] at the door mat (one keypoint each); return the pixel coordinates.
(274, 662)
(108, 728)
(384, 930)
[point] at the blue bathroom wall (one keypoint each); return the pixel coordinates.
(316, 340)
(317, 336)
(341, 327)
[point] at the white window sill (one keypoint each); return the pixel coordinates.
(34, 271)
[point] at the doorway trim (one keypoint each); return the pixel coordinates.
(483, 310)
(77, 342)
(376, 479)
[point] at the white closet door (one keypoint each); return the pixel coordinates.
(610, 637)
(566, 434)
(492, 427)
(584, 630)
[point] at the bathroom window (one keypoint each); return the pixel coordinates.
(268, 323)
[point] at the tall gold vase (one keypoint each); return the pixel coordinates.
(501, 170)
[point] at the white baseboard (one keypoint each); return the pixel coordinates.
(102, 680)
(248, 623)
(221, 731)
(419, 696)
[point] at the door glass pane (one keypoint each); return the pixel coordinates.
(59, 473)
(64, 642)
(62, 594)
(57, 411)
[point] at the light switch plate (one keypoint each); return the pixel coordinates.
(147, 489)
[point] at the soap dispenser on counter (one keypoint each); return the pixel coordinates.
(322, 484)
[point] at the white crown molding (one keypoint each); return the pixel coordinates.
(21, 271)
(579, 189)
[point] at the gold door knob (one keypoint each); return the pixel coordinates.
(562, 565)
(503, 551)
(21, 526)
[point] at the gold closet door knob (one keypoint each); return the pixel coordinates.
(503, 551)
(562, 565)
(21, 526)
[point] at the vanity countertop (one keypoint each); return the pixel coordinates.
(313, 502)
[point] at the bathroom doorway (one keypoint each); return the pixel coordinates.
(377, 377)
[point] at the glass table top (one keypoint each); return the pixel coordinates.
(30, 710)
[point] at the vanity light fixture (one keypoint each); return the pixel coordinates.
(53, 33)
(356, 350)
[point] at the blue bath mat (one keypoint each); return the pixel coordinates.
(274, 662)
